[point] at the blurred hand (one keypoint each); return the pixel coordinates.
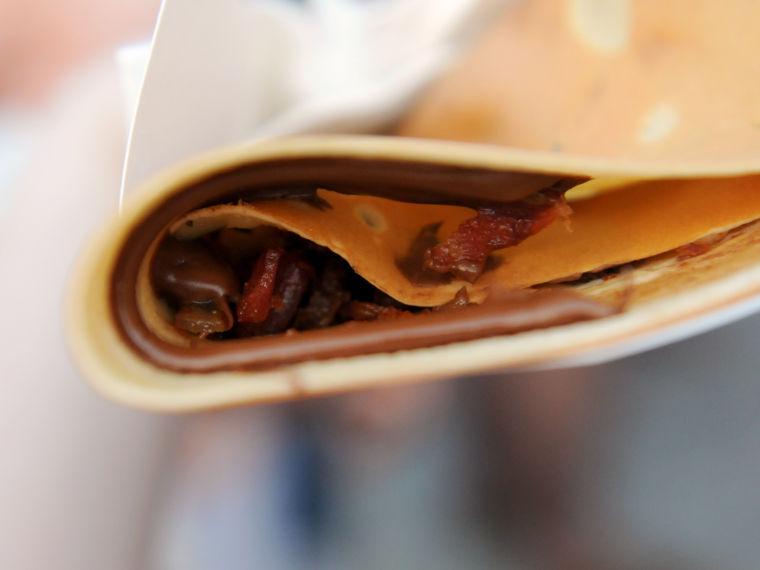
(42, 40)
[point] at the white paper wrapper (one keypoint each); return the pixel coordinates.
(226, 71)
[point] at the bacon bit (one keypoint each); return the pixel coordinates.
(363, 311)
(702, 245)
(693, 249)
(464, 253)
(256, 301)
(461, 299)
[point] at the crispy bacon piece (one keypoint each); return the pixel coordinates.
(273, 294)
(464, 253)
(256, 301)
(293, 281)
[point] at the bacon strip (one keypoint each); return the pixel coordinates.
(256, 301)
(294, 278)
(464, 253)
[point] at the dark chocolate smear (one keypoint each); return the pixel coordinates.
(508, 314)
(190, 273)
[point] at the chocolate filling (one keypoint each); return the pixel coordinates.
(237, 292)
(267, 280)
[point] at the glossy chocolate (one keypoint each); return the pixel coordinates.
(536, 310)
(191, 273)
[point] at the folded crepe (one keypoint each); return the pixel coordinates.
(313, 265)
(606, 191)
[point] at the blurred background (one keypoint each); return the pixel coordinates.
(649, 462)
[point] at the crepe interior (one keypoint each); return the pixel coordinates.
(660, 84)
(634, 222)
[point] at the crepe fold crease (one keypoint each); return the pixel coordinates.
(665, 246)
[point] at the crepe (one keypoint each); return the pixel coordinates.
(642, 255)
(655, 85)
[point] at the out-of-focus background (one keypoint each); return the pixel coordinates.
(650, 462)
